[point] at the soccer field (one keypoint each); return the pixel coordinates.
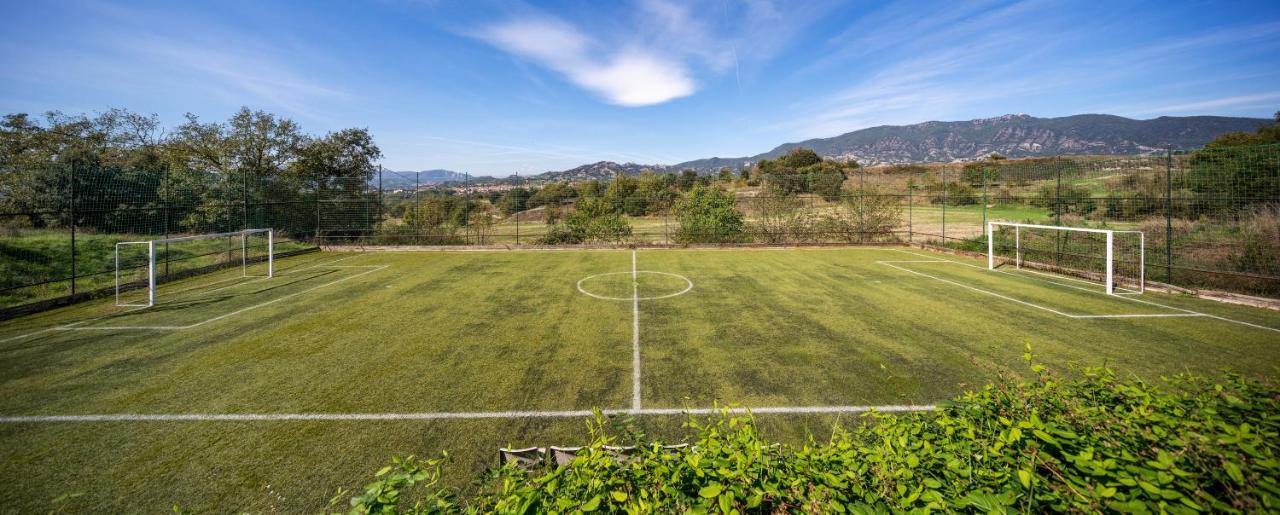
(271, 393)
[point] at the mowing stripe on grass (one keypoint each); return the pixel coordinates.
(280, 417)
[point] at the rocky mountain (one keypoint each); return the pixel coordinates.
(1014, 135)
(603, 170)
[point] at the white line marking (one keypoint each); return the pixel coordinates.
(266, 417)
(635, 334)
(688, 285)
(373, 268)
(1131, 299)
(980, 290)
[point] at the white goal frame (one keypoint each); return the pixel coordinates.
(1110, 258)
(151, 258)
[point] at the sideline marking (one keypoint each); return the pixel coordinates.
(266, 417)
(635, 334)
(1186, 312)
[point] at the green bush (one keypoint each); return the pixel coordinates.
(1096, 442)
(707, 215)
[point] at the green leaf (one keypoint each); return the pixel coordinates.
(1233, 470)
(711, 490)
(592, 504)
(1024, 477)
(619, 495)
(382, 471)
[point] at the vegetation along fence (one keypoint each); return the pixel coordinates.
(1211, 217)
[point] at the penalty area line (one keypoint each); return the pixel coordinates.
(445, 415)
(1187, 312)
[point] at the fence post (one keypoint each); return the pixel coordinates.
(985, 198)
(519, 200)
(164, 201)
(319, 187)
(1168, 215)
(72, 171)
(944, 206)
(910, 210)
(381, 202)
(1057, 211)
(862, 207)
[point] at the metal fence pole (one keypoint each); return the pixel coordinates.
(519, 200)
(985, 198)
(862, 207)
(910, 211)
(381, 202)
(944, 206)
(72, 171)
(1168, 215)
(164, 201)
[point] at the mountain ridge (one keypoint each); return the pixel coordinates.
(1012, 135)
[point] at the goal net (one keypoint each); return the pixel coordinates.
(1112, 258)
(141, 265)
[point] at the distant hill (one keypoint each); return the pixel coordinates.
(602, 170)
(1014, 135)
(392, 179)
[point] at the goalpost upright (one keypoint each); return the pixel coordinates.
(150, 264)
(1109, 258)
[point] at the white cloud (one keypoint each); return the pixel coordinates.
(626, 76)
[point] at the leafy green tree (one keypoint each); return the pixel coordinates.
(1236, 171)
(725, 175)
(687, 180)
(514, 200)
(707, 215)
(800, 157)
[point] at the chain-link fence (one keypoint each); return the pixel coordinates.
(59, 225)
(1211, 217)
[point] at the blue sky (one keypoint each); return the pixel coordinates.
(500, 88)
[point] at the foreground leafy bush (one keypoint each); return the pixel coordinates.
(1092, 443)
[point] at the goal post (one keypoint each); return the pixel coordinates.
(1116, 258)
(143, 264)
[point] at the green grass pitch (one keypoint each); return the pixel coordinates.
(294, 386)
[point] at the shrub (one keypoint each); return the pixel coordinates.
(868, 215)
(1092, 443)
(707, 215)
(593, 219)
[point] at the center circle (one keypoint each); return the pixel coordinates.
(584, 283)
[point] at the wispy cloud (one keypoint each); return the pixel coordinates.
(965, 59)
(627, 76)
(668, 47)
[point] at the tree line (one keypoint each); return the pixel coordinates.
(128, 174)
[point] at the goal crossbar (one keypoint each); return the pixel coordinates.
(1109, 259)
(151, 258)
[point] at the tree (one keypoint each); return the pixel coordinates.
(687, 180)
(707, 215)
(514, 201)
(725, 175)
(1236, 169)
(800, 157)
